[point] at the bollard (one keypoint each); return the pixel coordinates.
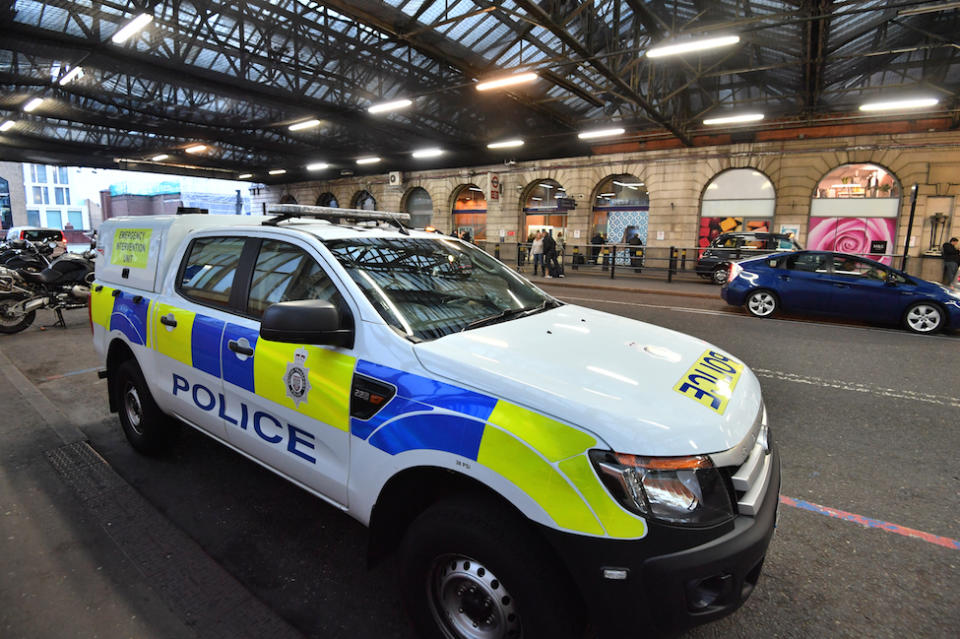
(672, 264)
(683, 260)
(496, 250)
(613, 263)
(575, 265)
(605, 254)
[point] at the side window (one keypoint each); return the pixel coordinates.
(284, 272)
(844, 265)
(810, 262)
(209, 270)
(784, 243)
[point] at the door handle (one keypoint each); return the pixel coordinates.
(240, 349)
(168, 320)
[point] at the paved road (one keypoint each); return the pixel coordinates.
(866, 419)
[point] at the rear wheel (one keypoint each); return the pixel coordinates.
(471, 569)
(762, 303)
(720, 274)
(147, 428)
(11, 319)
(923, 317)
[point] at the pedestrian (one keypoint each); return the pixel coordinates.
(951, 261)
(550, 265)
(536, 250)
(595, 245)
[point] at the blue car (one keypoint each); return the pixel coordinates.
(841, 285)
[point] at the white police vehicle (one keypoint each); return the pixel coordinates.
(543, 469)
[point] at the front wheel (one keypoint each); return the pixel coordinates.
(761, 303)
(924, 318)
(11, 319)
(471, 569)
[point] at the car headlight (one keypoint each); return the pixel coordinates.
(676, 490)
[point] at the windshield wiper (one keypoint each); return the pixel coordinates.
(511, 313)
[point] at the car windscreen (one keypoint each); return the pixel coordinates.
(41, 235)
(426, 288)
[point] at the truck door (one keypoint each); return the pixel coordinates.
(296, 396)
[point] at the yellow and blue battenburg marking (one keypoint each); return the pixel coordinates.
(116, 310)
(711, 380)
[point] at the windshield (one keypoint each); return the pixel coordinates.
(41, 235)
(427, 288)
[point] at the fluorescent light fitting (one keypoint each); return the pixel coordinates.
(473, 188)
(519, 78)
(545, 186)
(537, 199)
(244, 176)
(159, 158)
(607, 194)
(734, 119)
(308, 124)
(196, 148)
(317, 166)
(277, 171)
(32, 104)
(132, 27)
(899, 105)
(631, 185)
(427, 153)
(600, 133)
(6, 126)
(72, 75)
(691, 46)
(370, 160)
(389, 106)
(506, 144)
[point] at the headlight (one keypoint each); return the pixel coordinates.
(677, 490)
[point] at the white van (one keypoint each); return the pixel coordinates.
(541, 468)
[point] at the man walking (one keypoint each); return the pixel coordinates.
(951, 260)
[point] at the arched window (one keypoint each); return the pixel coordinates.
(621, 211)
(545, 209)
(286, 198)
(6, 213)
(470, 212)
(420, 207)
(328, 199)
(736, 200)
(364, 201)
(854, 210)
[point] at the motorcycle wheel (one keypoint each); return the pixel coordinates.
(11, 322)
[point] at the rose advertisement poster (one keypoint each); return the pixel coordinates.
(857, 235)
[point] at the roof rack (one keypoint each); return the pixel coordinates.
(285, 212)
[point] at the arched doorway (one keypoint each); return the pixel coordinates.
(854, 209)
(621, 215)
(736, 200)
(364, 201)
(545, 209)
(328, 199)
(6, 212)
(470, 213)
(419, 205)
(286, 198)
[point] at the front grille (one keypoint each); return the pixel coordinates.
(749, 465)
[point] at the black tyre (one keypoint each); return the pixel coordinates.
(147, 428)
(10, 321)
(923, 318)
(720, 274)
(762, 303)
(472, 569)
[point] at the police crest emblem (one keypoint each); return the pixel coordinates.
(297, 377)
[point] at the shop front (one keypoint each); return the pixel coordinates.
(736, 200)
(470, 213)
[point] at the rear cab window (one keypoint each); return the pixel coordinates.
(209, 269)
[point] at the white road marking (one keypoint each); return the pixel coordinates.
(897, 393)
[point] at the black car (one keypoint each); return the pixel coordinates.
(714, 262)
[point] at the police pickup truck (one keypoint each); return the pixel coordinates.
(541, 469)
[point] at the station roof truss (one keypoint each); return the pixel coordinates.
(234, 76)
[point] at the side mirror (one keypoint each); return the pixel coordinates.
(305, 322)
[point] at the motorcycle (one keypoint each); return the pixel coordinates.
(26, 255)
(63, 285)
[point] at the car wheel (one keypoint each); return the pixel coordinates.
(720, 274)
(762, 303)
(471, 569)
(147, 428)
(923, 317)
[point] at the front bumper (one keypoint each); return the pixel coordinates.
(672, 573)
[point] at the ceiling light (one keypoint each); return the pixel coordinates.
(317, 166)
(734, 119)
(277, 171)
(159, 158)
(506, 144)
(520, 78)
(299, 126)
(370, 160)
(6, 126)
(427, 153)
(196, 148)
(545, 186)
(389, 106)
(600, 133)
(537, 199)
(691, 45)
(629, 185)
(607, 194)
(74, 73)
(244, 176)
(32, 104)
(473, 188)
(132, 27)
(898, 105)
